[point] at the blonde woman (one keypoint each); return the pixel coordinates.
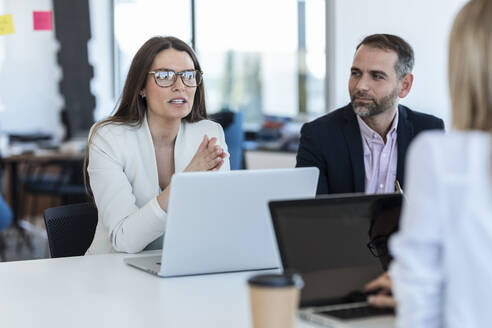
(442, 271)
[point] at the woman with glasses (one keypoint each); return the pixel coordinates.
(442, 269)
(159, 128)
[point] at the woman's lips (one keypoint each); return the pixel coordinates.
(177, 101)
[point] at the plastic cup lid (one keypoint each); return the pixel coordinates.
(277, 280)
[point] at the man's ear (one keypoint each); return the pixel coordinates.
(405, 85)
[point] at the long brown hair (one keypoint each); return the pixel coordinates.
(132, 107)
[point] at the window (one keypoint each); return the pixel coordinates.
(136, 21)
(259, 57)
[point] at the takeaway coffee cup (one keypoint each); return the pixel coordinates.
(274, 299)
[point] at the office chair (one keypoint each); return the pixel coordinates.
(70, 228)
(232, 123)
(67, 184)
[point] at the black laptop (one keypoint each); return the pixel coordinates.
(338, 243)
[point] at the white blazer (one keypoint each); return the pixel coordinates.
(442, 271)
(123, 177)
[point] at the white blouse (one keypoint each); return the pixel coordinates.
(124, 180)
(442, 272)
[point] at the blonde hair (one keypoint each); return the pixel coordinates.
(470, 67)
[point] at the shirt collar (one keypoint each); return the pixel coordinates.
(368, 133)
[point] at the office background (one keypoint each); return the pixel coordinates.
(262, 36)
(286, 59)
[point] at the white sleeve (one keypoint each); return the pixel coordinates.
(221, 138)
(417, 271)
(130, 228)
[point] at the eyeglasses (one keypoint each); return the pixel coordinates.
(378, 246)
(167, 77)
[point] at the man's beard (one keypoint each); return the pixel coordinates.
(377, 106)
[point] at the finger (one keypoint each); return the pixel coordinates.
(211, 157)
(381, 282)
(204, 143)
(374, 284)
(218, 166)
(223, 154)
(213, 163)
(382, 301)
(211, 144)
(216, 153)
(218, 150)
(385, 283)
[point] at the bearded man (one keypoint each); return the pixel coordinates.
(361, 147)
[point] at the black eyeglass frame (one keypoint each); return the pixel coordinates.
(175, 77)
(374, 244)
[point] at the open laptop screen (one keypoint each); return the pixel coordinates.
(331, 241)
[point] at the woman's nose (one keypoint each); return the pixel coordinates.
(179, 85)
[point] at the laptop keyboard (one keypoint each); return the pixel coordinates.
(357, 312)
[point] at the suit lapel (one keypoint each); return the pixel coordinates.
(180, 155)
(148, 153)
(353, 140)
(404, 135)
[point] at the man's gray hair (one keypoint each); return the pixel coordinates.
(406, 60)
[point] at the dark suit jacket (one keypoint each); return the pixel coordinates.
(333, 143)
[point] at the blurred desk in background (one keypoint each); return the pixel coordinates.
(16, 161)
(269, 159)
(272, 145)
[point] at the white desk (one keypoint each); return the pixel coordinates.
(102, 291)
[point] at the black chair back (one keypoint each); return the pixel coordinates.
(70, 228)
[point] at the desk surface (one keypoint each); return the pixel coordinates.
(101, 291)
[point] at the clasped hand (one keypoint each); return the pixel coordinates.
(208, 157)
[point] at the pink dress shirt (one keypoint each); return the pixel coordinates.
(380, 158)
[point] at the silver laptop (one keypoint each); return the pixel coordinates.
(219, 221)
(338, 244)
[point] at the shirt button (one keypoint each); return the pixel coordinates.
(381, 186)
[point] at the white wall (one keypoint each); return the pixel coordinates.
(425, 24)
(29, 74)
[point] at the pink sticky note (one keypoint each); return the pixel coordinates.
(42, 20)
